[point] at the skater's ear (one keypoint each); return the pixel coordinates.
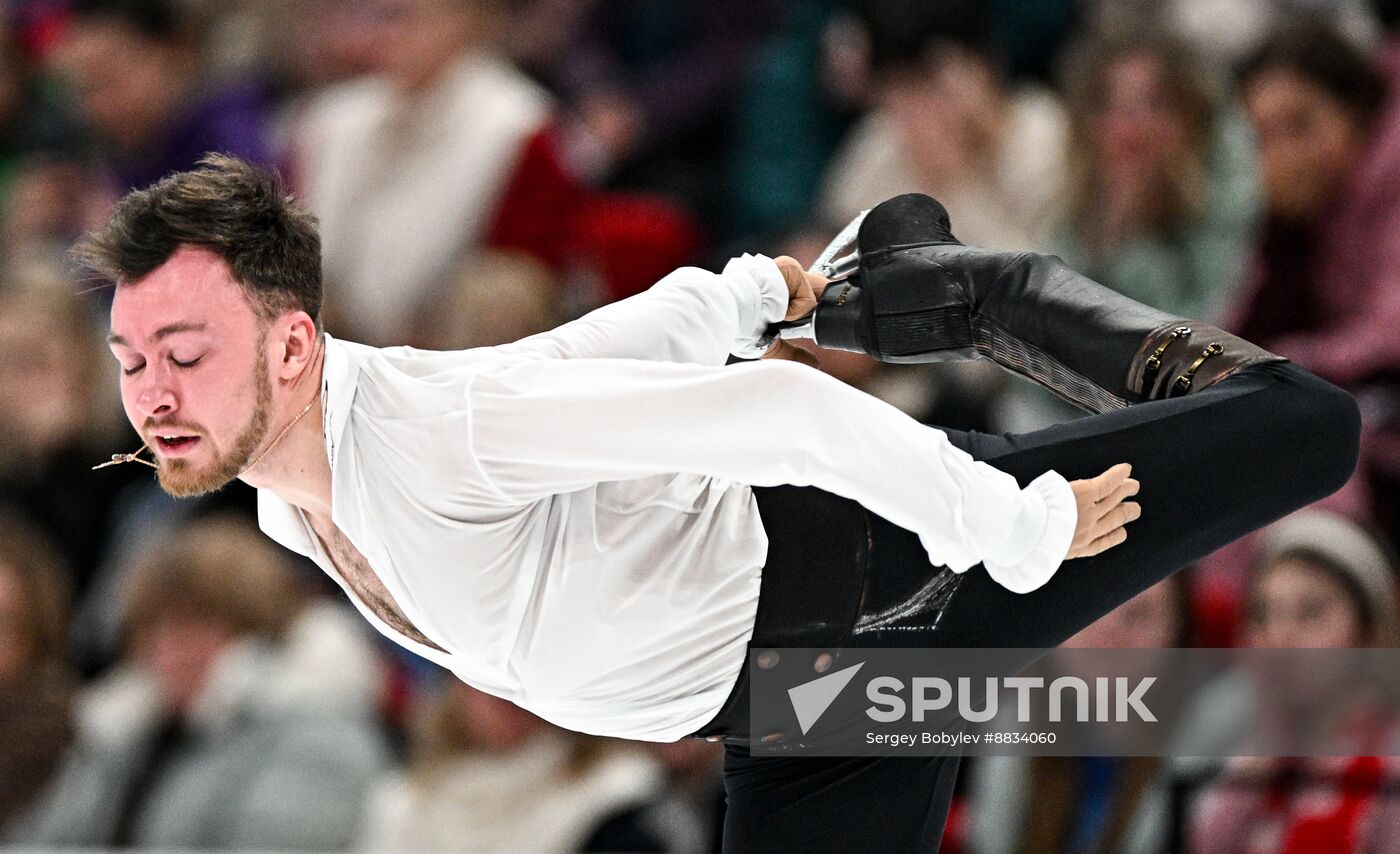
(295, 344)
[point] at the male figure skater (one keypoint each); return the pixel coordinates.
(598, 521)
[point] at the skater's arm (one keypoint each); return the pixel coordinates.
(692, 316)
(545, 427)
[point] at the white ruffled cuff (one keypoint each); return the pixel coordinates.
(762, 296)
(1040, 536)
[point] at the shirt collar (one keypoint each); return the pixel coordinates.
(339, 375)
(340, 372)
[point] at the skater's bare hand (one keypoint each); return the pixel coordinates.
(804, 289)
(1103, 511)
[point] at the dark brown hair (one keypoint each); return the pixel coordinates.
(235, 209)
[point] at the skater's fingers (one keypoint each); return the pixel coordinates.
(1098, 545)
(1116, 518)
(802, 294)
(785, 264)
(1105, 483)
(1093, 504)
(1096, 500)
(1115, 537)
(1125, 489)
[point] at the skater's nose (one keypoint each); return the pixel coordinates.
(156, 395)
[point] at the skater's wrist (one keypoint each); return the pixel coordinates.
(762, 296)
(1040, 536)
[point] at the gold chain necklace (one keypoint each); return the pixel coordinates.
(289, 426)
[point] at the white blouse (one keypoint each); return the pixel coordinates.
(569, 517)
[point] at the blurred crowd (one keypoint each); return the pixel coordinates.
(486, 169)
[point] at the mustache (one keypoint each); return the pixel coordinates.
(147, 429)
(151, 425)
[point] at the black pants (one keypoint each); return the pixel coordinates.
(1213, 466)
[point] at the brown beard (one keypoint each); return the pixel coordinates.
(180, 479)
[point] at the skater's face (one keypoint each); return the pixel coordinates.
(194, 358)
(1296, 604)
(1307, 140)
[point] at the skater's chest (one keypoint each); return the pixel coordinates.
(355, 571)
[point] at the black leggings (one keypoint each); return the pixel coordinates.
(1213, 466)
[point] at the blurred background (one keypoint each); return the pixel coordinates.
(486, 169)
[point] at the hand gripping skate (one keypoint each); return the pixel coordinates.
(909, 291)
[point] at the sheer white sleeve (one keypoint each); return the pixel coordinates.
(545, 427)
(692, 316)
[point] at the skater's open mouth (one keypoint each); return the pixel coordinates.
(175, 444)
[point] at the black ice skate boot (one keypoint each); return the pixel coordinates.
(916, 294)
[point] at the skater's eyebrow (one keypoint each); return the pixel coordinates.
(163, 332)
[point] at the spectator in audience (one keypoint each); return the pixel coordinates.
(1321, 582)
(36, 685)
(1160, 199)
(312, 44)
(286, 45)
(216, 733)
(653, 86)
(945, 122)
(1222, 32)
(1324, 289)
(485, 775)
(35, 131)
(51, 201)
(59, 417)
(788, 118)
(1387, 14)
(1078, 805)
(1160, 202)
(684, 814)
(444, 150)
(1032, 34)
(496, 298)
(135, 72)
